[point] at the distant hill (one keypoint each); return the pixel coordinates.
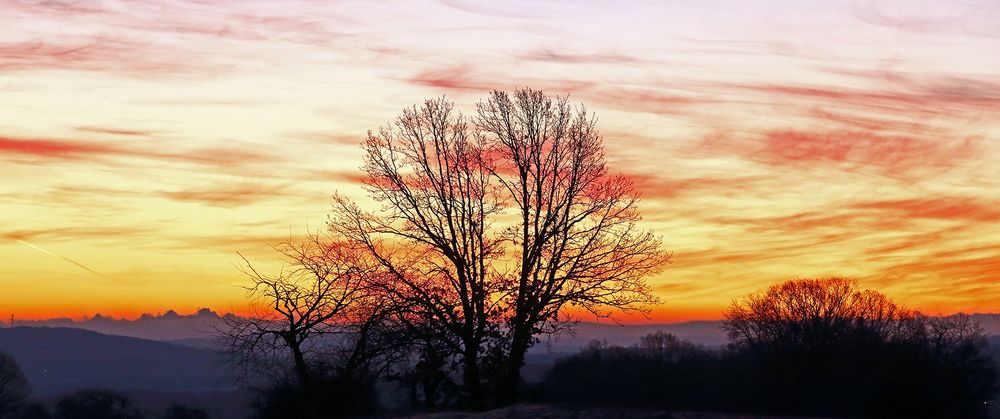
(990, 322)
(195, 330)
(200, 343)
(703, 332)
(707, 333)
(167, 326)
(61, 359)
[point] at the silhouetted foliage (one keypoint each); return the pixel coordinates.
(34, 410)
(14, 388)
(809, 314)
(96, 404)
(183, 412)
(492, 226)
(815, 347)
(662, 371)
(825, 346)
(426, 379)
(326, 397)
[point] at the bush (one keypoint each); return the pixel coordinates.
(329, 397)
(676, 375)
(96, 404)
(14, 388)
(34, 411)
(183, 412)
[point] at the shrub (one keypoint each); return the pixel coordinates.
(96, 404)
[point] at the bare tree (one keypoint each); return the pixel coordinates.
(576, 241)
(666, 347)
(14, 387)
(490, 229)
(432, 237)
(828, 346)
(811, 312)
(322, 292)
(88, 404)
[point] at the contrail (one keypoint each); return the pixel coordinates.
(63, 258)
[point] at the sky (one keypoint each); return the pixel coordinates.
(144, 143)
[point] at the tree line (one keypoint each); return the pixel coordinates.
(819, 347)
(16, 402)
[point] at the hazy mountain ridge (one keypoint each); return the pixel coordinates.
(61, 359)
(705, 332)
(196, 330)
(169, 326)
(990, 322)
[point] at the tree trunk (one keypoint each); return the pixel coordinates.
(301, 370)
(471, 377)
(520, 342)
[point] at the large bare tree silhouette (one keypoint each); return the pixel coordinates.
(490, 228)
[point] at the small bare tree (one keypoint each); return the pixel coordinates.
(317, 300)
(811, 312)
(14, 387)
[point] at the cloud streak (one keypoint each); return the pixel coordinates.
(230, 196)
(903, 157)
(78, 264)
(44, 150)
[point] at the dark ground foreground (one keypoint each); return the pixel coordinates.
(542, 411)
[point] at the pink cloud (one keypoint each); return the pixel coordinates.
(903, 157)
(229, 196)
(116, 131)
(49, 148)
(464, 79)
(76, 233)
(551, 55)
(452, 78)
(948, 97)
(102, 54)
(159, 38)
(655, 101)
(941, 208)
(44, 150)
(957, 18)
(658, 187)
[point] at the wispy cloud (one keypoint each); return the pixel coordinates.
(43, 150)
(78, 264)
(888, 155)
(63, 234)
(231, 195)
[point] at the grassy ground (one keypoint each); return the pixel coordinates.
(542, 411)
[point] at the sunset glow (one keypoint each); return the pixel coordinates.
(144, 144)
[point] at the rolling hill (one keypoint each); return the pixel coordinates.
(56, 360)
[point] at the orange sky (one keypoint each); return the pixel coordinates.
(144, 143)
